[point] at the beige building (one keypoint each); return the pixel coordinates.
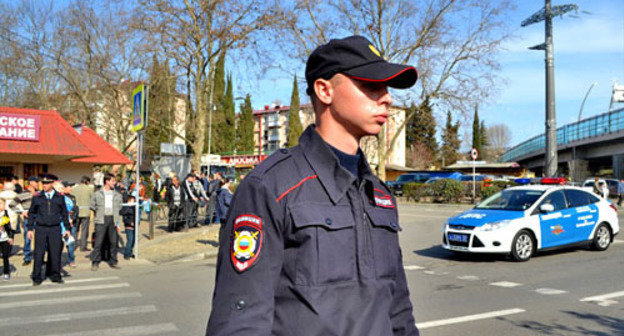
(271, 131)
(271, 127)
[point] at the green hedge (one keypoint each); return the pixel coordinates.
(448, 190)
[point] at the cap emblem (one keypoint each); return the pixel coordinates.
(374, 50)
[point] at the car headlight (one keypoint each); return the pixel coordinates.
(494, 226)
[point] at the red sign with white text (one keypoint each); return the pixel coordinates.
(19, 127)
(242, 159)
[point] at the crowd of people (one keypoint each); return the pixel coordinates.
(184, 198)
(56, 215)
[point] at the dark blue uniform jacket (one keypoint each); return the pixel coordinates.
(307, 250)
(45, 212)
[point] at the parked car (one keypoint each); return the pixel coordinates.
(397, 186)
(520, 221)
(612, 184)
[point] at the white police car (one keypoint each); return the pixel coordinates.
(522, 220)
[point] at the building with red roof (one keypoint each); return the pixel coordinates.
(33, 142)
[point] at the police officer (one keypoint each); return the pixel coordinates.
(310, 245)
(47, 212)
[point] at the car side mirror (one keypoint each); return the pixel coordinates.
(547, 208)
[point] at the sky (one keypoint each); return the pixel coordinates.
(588, 49)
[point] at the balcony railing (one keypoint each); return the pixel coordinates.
(599, 125)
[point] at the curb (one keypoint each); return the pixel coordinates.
(190, 258)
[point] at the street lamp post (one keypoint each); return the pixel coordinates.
(574, 163)
(546, 14)
(584, 99)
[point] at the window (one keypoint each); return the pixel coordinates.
(577, 198)
(557, 199)
(511, 199)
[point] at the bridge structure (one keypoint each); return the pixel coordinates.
(592, 146)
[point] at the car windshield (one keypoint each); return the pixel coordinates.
(513, 200)
(406, 178)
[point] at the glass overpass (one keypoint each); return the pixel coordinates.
(595, 126)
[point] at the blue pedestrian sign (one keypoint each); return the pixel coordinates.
(139, 108)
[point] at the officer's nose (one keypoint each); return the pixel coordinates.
(385, 98)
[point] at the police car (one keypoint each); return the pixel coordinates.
(523, 220)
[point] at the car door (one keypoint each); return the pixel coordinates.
(557, 227)
(586, 212)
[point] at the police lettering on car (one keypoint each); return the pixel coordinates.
(522, 220)
(310, 245)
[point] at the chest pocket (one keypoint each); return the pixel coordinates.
(326, 243)
(385, 241)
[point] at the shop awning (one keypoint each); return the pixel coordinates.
(56, 137)
(104, 152)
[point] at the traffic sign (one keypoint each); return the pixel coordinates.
(474, 154)
(139, 108)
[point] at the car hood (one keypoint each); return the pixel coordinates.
(478, 217)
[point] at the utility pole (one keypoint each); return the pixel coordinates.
(546, 14)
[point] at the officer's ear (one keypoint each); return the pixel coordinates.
(324, 91)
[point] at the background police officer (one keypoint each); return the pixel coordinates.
(310, 245)
(47, 212)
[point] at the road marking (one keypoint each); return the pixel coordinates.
(550, 291)
(412, 267)
(604, 300)
(126, 331)
(506, 284)
(429, 272)
(618, 241)
(469, 318)
(469, 278)
(47, 302)
(47, 284)
(76, 315)
(64, 289)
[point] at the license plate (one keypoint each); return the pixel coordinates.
(458, 248)
(461, 238)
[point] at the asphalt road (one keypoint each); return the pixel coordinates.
(571, 292)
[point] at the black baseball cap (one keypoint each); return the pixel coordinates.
(33, 179)
(356, 57)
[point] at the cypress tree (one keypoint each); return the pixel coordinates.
(294, 121)
(476, 131)
(161, 111)
(451, 142)
(422, 127)
(484, 140)
(228, 125)
(218, 113)
(245, 141)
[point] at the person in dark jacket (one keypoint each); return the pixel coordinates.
(192, 200)
(176, 199)
(48, 211)
(128, 215)
(224, 197)
(70, 200)
(213, 187)
(311, 242)
(6, 239)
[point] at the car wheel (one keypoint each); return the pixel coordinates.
(602, 238)
(523, 246)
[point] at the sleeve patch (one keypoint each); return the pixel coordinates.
(383, 200)
(246, 241)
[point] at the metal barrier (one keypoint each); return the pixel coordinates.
(595, 126)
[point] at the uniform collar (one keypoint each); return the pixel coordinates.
(335, 179)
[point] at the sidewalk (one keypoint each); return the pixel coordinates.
(195, 244)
